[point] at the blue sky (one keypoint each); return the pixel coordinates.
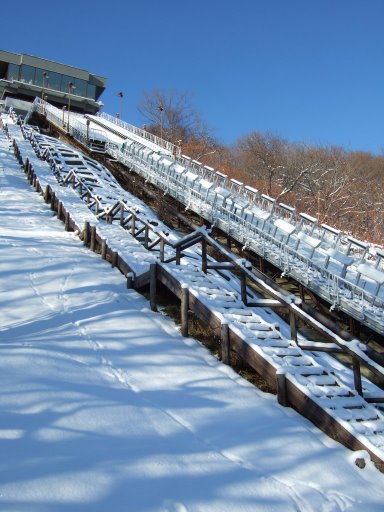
(308, 70)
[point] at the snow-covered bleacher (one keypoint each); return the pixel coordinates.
(339, 268)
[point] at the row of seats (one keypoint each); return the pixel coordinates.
(325, 250)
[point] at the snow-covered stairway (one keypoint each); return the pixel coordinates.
(308, 382)
(65, 200)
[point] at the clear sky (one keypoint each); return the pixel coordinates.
(308, 70)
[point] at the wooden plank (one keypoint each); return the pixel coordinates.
(193, 237)
(139, 231)
(293, 326)
(53, 199)
(322, 348)
(162, 249)
(266, 303)
(104, 249)
(282, 395)
(221, 266)
(178, 256)
(46, 193)
(93, 238)
(374, 400)
(357, 375)
(243, 288)
(204, 255)
(152, 286)
(153, 244)
(146, 236)
(114, 259)
(86, 233)
(59, 209)
(141, 280)
(67, 219)
(186, 245)
(126, 221)
(184, 310)
(225, 344)
(130, 278)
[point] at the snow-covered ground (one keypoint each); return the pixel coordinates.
(105, 407)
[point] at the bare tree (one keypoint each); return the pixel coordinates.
(263, 156)
(324, 181)
(312, 178)
(170, 114)
(367, 218)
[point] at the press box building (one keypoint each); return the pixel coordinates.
(23, 77)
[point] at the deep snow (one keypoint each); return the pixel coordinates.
(105, 407)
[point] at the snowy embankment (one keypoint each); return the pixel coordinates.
(105, 407)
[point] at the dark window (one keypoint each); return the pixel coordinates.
(65, 84)
(39, 77)
(27, 74)
(91, 91)
(54, 81)
(42, 78)
(13, 72)
(81, 87)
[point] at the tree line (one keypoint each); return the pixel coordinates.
(341, 188)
